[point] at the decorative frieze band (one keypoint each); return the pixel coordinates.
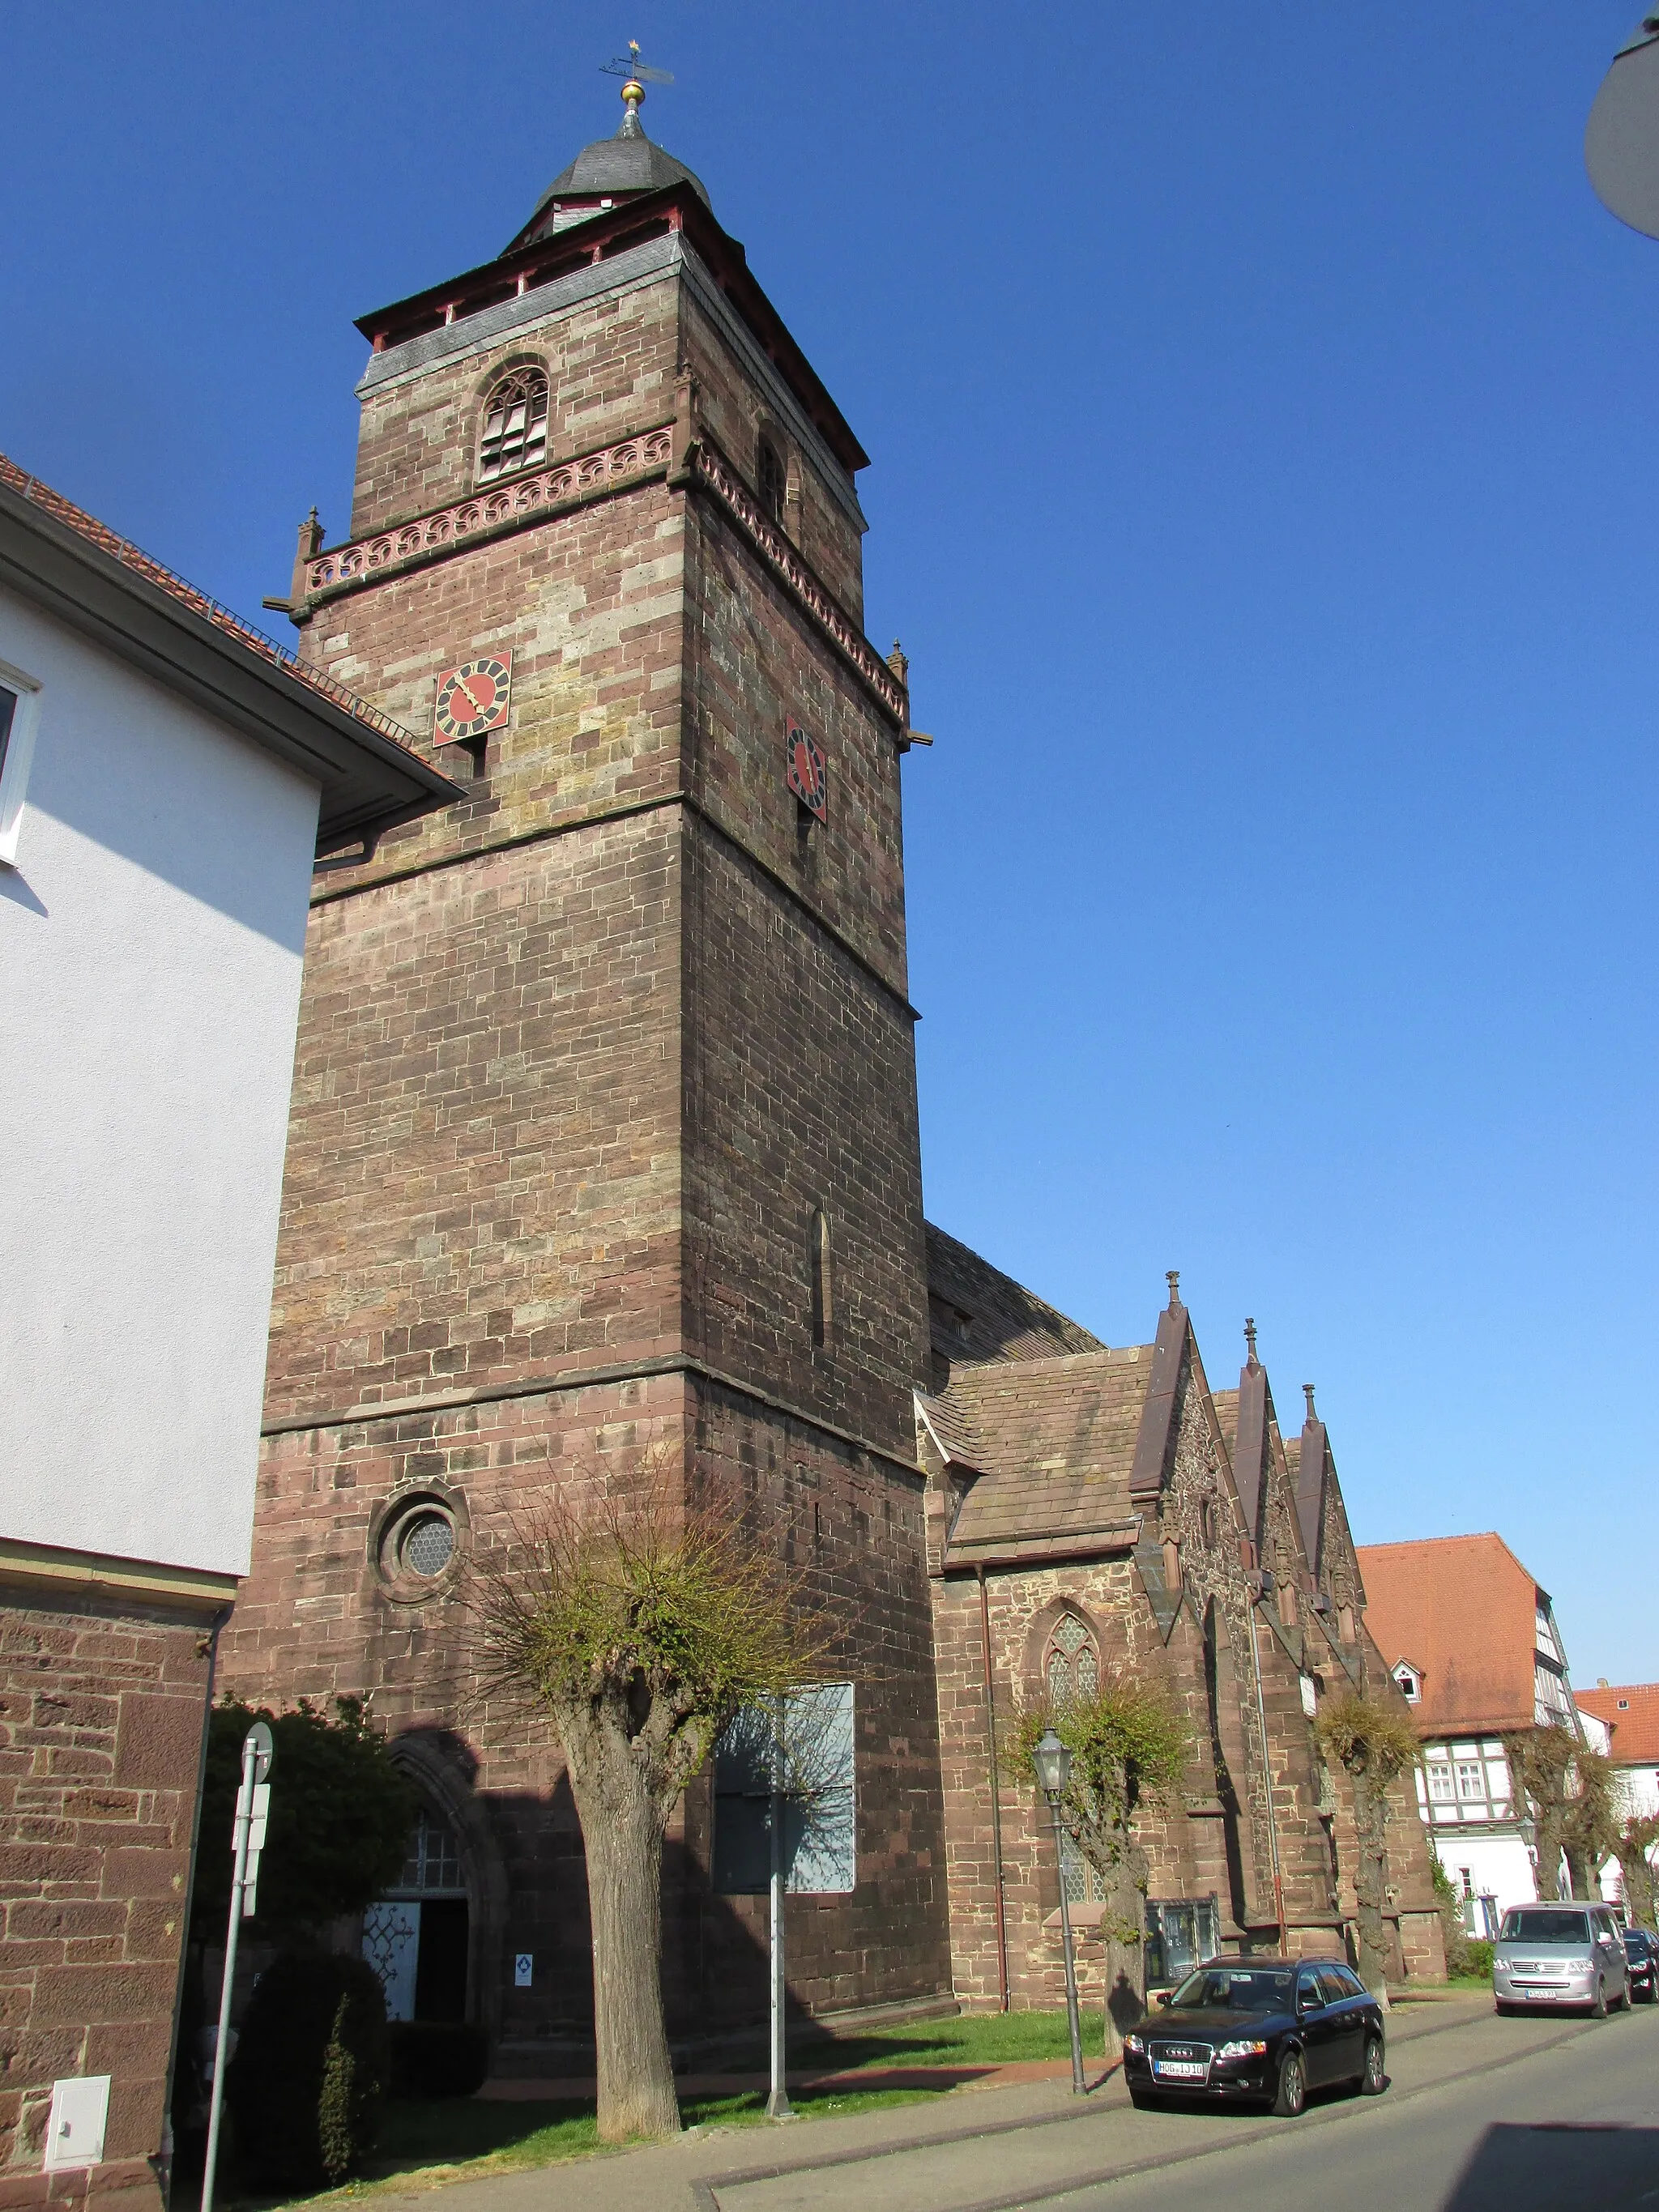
(521, 500)
(713, 470)
(529, 499)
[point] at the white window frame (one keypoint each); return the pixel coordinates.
(19, 753)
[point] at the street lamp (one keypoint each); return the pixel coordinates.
(1053, 1766)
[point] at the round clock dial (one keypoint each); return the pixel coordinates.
(472, 699)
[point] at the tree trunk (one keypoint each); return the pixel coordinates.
(1371, 1819)
(1547, 1819)
(622, 1836)
(1637, 1881)
(1581, 1881)
(1126, 1951)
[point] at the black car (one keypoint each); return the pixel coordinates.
(1642, 1964)
(1259, 2031)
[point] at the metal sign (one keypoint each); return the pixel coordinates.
(1621, 139)
(265, 1748)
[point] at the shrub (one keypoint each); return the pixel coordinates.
(437, 2058)
(1477, 1952)
(305, 2085)
(340, 1817)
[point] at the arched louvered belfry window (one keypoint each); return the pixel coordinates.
(1071, 1670)
(515, 432)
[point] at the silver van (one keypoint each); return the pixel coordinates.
(1569, 1954)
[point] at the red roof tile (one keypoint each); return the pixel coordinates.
(1463, 1610)
(131, 557)
(1632, 1712)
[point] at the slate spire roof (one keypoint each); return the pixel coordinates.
(610, 169)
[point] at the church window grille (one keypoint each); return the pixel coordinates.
(770, 479)
(514, 434)
(818, 1272)
(433, 1866)
(1071, 1666)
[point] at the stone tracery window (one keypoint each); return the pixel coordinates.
(1071, 1668)
(514, 434)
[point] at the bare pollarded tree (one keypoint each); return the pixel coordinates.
(1373, 1742)
(641, 1628)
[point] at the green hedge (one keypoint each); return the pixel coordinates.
(437, 2058)
(305, 2085)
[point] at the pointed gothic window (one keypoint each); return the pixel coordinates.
(769, 479)
(514, 434)
(1071, 1670)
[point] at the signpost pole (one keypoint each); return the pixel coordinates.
(256, 1765)
(777, 2103)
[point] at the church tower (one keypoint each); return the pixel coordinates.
(605, 1140)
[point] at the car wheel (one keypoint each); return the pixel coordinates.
(1506, 2012)
(1373, 2081)
(1293, 2087)
(1599, 2009)
(1143, 2100)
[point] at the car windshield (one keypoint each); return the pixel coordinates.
(1541, 1926)
(1235, 1989)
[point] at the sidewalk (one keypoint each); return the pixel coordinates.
(673, 2177)
(987, 2074)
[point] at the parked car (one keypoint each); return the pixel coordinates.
(1642, 1964)
(1570, 1954)
(1259, 2031)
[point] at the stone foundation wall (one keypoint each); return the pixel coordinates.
(102, 1709)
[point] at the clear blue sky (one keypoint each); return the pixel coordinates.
(1265, 419)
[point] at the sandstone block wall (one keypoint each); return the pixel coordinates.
(102, 1707)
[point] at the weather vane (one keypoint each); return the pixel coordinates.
(630, 65)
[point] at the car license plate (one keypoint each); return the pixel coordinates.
(1182, 2069)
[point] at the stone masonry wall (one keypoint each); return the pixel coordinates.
(609, 363)
(1186, 1845)
(482, 1179)
(102, 1706)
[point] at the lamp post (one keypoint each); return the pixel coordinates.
(1053, 1766)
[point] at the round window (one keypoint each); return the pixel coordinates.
(427, 1543)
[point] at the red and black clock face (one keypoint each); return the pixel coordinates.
(473, 699)
(807, 775)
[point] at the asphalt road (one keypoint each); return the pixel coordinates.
(1531, 2115)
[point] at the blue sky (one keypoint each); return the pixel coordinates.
(1266, 486)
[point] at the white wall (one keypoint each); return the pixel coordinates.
(151, 935)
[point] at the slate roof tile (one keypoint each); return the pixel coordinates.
(978, 1313)
(1054, 1440)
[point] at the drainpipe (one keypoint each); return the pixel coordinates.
(996, 1792)
(1268, 1757)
